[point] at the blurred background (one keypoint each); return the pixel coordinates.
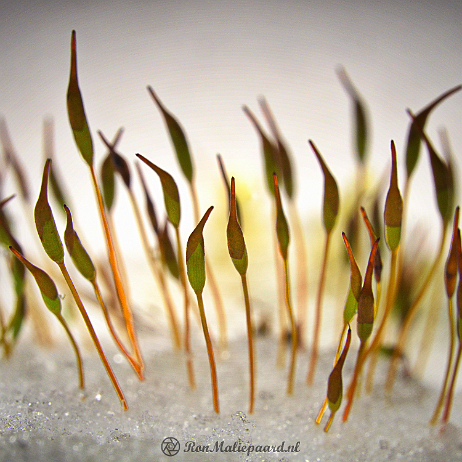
(205, 60)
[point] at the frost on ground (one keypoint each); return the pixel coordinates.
(44, 418)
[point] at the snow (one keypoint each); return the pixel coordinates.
(43, 416)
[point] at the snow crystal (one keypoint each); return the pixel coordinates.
(43, 418)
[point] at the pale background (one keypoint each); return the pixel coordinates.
(205, 60)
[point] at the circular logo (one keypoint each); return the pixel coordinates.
(170, 446)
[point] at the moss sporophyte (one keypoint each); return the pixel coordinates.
(84, 142)
(385, 299)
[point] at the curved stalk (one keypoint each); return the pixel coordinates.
(293, 359)
(128, 316)
(250, 343)
(93, 335)
(187, 334)
(357, 372)
(317, 325)
(376, 343)
(112, 330)
(322, 411)
(118, 252)
(365, 324)
(158, 276)
(410, 316)
(213, 370)
(440, 402)
(281, 356)
(302, 272)
(76, 350)
(428, 335)
(325, 402)
(448, 406)
(222, 325)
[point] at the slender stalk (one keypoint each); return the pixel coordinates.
(222, 324)
(238, 253)
(365, 324)
(406, 190)
(187, 334)
(93, 335)
(357, 372)
(375, 354)
(329, 422)
(195, 200)
(335, 386)
(440, 402)
(370, 372)
(175, 330)
(76, 350)
(293, 359)
(302, 272)
(450, 286)
(376, 343)
(325, 402)
(250, 342)
(339, 347)
(290, 384)
(410, 316)
(158, 276)
(213, 370)
(128, 316)
(118, 255)
(317, 325)
(112, 330)
(111, 146)
(322, 411)
(428, 335)
(399, 273)
(447, 409)
(280, 360)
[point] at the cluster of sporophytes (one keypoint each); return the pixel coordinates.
(372, 299)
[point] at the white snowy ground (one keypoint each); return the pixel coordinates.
(42, 417)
